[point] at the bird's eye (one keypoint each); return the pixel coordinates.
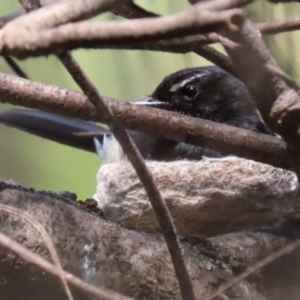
(189, 91)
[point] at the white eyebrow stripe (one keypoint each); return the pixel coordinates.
(181, 84)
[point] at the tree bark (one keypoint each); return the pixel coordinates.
(134, 263)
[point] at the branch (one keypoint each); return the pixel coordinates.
(70, 36)
(142, 270)
(177, 45)
(220, 137)
(278, 103)
(15, 67)
(284, 239)
(216, 58)
(218, 5)
(279, 26)
(283, 1)
(34, 259)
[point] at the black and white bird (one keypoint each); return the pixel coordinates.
(204, 92)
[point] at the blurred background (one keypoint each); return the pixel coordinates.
(125, 75)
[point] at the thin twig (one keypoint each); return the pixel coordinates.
(270, 258)
(38, 261)
(275, 71)
(161, 210)
(283, 1)
(216, 58)
(219, 5)
(15, 67)
(132, 10)
(27, 217)
(276, 27)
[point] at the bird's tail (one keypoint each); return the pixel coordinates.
(53, 127)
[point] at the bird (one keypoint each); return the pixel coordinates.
(202, 92)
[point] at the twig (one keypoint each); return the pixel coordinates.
(27, 217)
(133, 11)
(270, 258)
(161, 210)
(217, 58)
(278, 72)
(15, 67)
(219, 5)
(283, 1)
(36, 260)
(279, 26)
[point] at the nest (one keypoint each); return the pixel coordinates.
(209, 197)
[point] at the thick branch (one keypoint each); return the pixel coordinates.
(101, 253)
(142, 268)
(34, 259)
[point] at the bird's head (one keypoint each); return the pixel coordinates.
(203, 92)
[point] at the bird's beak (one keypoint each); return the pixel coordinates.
(149, 101)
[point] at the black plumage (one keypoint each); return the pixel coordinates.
(204, 92)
